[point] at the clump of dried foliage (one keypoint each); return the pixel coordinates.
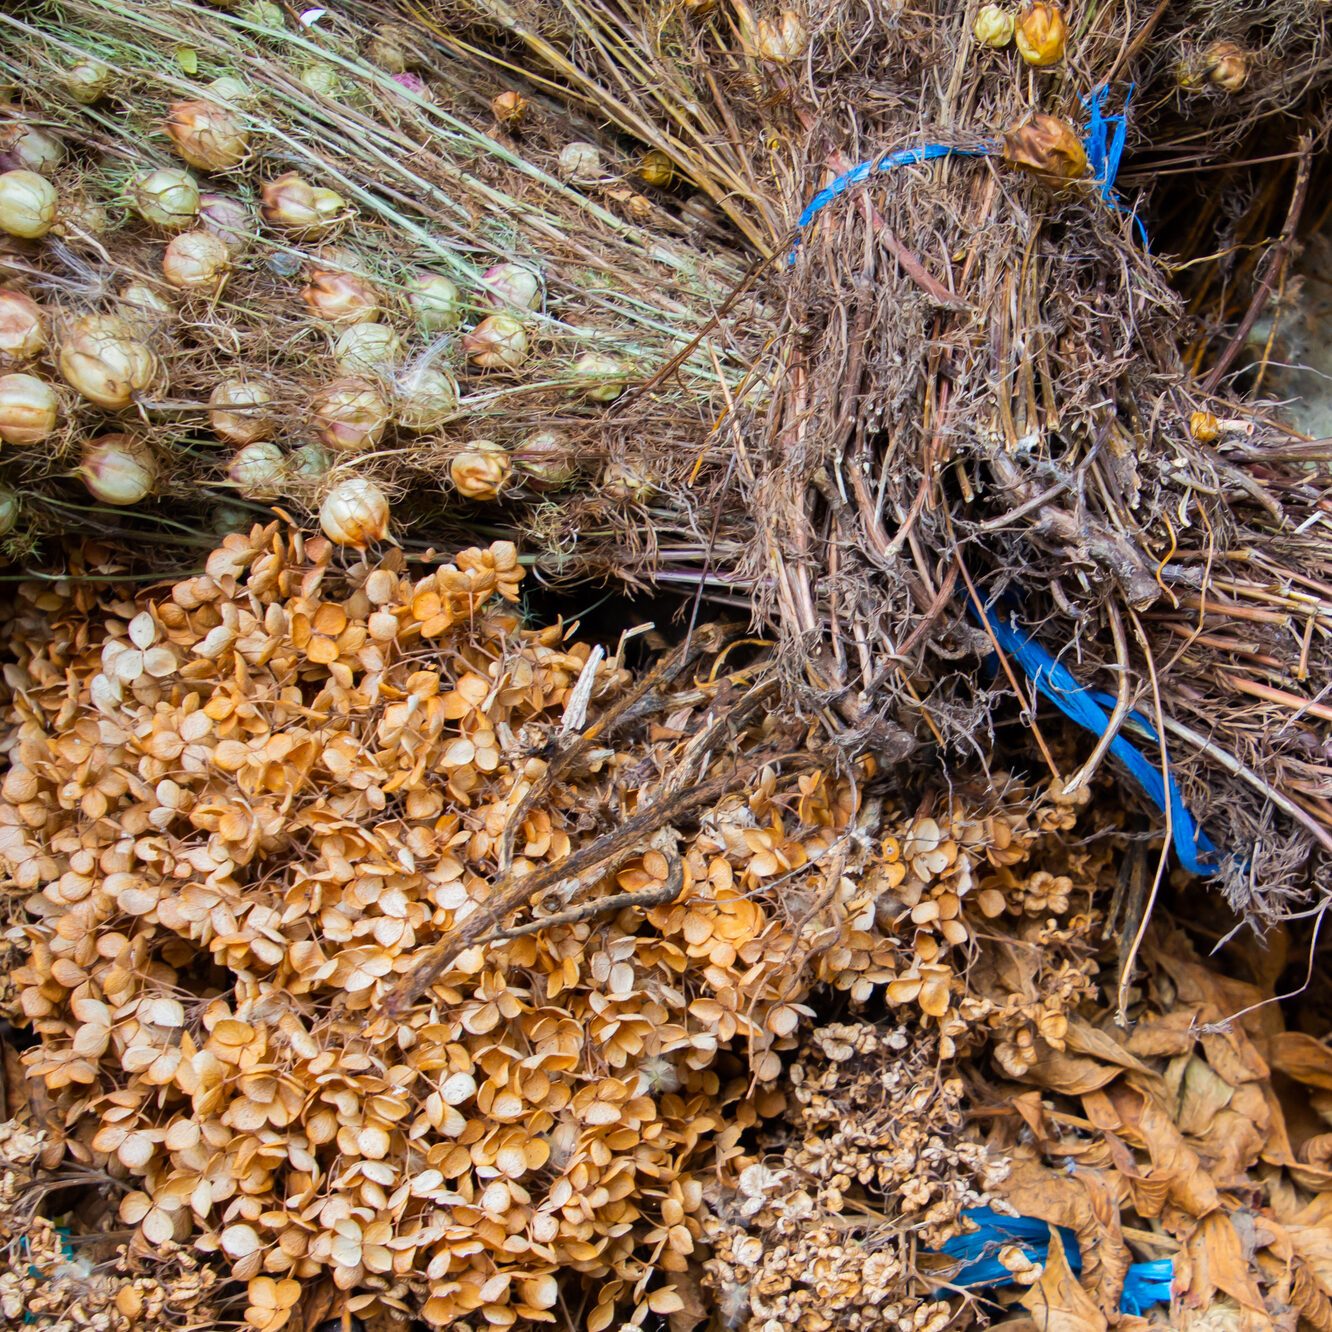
(394, 958)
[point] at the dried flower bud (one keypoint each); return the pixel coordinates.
(28, 409)
(258, 471)
(355, 513)
(1227, 66)
(166, 198)
(291, 204)
(1204, 427)
(101, 359)
(22, 335)
(88, 81)
(480, 472)
(510, 108)
(27, 204)
(781, 40)
(195, 259)
(118, 469)
(351, 415)
(435, 301)
(1041, 34)
(388, 48)
(994, 26)
(367, 347)
(656, 168)
(498, 342)
(206, 135)
(237, 411)
(1047, 146)
(580, 162)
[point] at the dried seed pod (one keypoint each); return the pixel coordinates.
(10, 508)
(481, 471)
(781, 40)
(258, 471)
(355, 513)
(547, 459)
(994, 26)
(427, 397)
(1227, 66)
(28, 409)
(1048, 147)
(80, 218)
(118, 469)
(88, 81)
(229, 220)
(498, 342)
(435, 301)
(237, 411)
(1041, 34)
(28, 204)
(351, 414)
(22, 333)
(601, 378)
(511, 286)
(625, 483)
(341, 298)
(580, 163)
(27, 147)
(166, 198)
(1204, 427)
(656, 168)
(195, 259)
(373, 348)
(304, 211)
(102, 360)
(143, 307)
(389, 48)
(207, 135)
(510, 108)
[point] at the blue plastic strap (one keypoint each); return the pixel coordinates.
(885, 162)
(1090, 709)
(1104, 144)
(1145, 1284)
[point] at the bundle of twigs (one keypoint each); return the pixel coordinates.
(979, 394)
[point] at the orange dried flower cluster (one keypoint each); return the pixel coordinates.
(244, 810)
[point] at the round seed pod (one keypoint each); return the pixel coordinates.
(207, 135)
(498, 342)
(258, 471)
(304, 211)
(88, 81)
(237, 411)
(195, 259)
(102, 360)
(367, 348)
(481, 471)
(118, 469)
(427, 397)
(351, 414)
(28, 409)
(166, 198)
(22, 332)
(340, 297)
(28, 204)
(355, 513)
(435, 301)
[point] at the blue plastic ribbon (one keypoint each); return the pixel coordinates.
(1104, 144)
(1091, 710)
(1145, 1284)
(885, 162)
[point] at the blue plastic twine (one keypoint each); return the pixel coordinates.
(1104, 144)
(1145, 1284)
(1091, 710)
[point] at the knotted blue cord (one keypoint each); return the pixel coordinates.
(1145, 1283)
(1104, 144)
(1091, 710)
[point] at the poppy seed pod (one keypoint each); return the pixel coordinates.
(1046, 146)
(1041, 35)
